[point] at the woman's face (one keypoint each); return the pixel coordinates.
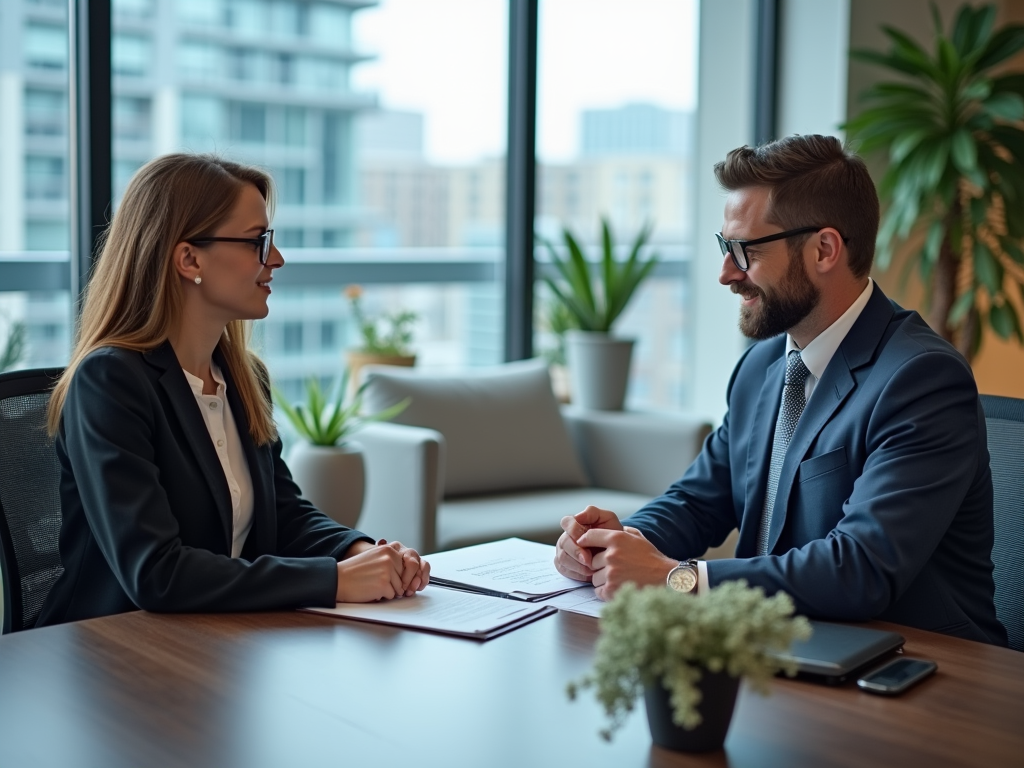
(234, 283)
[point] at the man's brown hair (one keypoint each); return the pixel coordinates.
(813, 181)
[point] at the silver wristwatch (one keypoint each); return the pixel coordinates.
(683, 578)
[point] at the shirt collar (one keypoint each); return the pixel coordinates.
(819, 352)
(196, 383)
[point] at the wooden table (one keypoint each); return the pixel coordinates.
(288, 689)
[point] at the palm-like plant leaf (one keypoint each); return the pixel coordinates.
(955, 146)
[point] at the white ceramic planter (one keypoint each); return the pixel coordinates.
(332, 477)
(598, 369)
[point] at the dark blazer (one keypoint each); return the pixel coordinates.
(147, 510)
(884, 506)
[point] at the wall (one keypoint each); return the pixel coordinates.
(999, 367)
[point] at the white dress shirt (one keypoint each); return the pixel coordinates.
(220, 423)
(816, 356)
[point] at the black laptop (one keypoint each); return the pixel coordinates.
(836, 652)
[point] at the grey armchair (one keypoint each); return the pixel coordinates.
(490, 454)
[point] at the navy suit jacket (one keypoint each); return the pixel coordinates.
(146, 508)
(884, 505)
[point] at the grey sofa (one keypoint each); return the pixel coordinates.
(490, 454)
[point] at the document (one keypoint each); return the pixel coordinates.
(444, 610)
(583, 601)
(514, 568)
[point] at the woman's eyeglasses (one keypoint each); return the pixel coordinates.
(263, 242)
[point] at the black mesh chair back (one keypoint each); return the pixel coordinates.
(29, 496)
(1004, 418)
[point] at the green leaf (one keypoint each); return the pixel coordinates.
(1005, 106)
(607, 269)
(1003, 319)
(1003, 44)
(960, 308)
(933, 242)
(949, 61)
(979, 27)
(987, 270)
(896, 63)
(581, 280)
(979, 90)
(907, 49)
(1012, 250)
(963, 151)
(905, 144)
(979, 210)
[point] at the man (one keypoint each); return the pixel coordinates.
(853, 455)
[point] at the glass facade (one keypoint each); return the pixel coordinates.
(615, 140)
(389, 156)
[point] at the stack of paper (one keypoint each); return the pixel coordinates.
(513, 568)
(583, 601)
(446, 611)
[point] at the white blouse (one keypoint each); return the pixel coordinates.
(221, 424)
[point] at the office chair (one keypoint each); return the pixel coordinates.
(1004, 418)
(30, 514)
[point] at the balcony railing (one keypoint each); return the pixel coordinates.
(313, 267)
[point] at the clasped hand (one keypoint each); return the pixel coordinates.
(595, 547)
(380, 571)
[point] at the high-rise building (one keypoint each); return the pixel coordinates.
(265, 81)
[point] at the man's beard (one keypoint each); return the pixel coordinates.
(781, 309)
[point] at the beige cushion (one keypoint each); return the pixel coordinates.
(534, 515)
(502, 427)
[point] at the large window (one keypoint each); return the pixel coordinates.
(384, 126)
(615, 139)
(386, 149)
(34, 302)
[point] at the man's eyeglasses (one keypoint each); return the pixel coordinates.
(263, 242)
(738, 248)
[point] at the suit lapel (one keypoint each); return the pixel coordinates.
(759, 446)
(831, 391)
(183, 401)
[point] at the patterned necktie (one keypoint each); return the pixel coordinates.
(793, 402)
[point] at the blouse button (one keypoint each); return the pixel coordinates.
(220, 443)
(213, 404)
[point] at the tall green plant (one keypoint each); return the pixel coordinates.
(325, 420)
(952, 132)
(597, 298)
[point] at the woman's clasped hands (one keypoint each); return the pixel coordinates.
(380, 571)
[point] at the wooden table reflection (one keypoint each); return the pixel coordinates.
(289, 689)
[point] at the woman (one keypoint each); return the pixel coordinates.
(173, 490)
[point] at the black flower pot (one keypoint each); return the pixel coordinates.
(718, 700)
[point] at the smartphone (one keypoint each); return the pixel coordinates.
(896, 676)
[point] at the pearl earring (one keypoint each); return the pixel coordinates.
(198, 279)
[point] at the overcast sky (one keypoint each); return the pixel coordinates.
(447, 59)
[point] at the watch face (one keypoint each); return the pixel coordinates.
(682, 579)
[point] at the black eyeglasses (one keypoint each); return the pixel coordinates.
(263, 242)
(738, 248)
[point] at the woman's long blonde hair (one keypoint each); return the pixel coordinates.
(135, 297)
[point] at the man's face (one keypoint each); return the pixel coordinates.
(777, 293)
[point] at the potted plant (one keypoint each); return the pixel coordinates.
(595, 297)
(327, 466)
(686, 655)
(953, 135)
(385, 339)
(14, 347)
